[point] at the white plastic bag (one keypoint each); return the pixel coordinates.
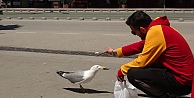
(124, 90)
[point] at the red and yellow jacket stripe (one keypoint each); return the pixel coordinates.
(164, 46)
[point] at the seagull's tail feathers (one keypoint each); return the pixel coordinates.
(62, 73)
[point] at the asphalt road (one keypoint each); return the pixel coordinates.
(32, 74)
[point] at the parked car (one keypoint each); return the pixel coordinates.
(79, 4)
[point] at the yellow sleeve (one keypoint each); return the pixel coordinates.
(119, 52)
(154, 46)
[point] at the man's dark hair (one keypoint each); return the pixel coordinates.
(139, 19)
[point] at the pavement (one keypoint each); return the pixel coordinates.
(33, 50)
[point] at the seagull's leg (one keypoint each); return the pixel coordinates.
(82, 88)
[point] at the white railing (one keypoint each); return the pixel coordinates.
(174, 10)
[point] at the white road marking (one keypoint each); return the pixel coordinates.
(25, 32)
(70, 33)
(114, 34)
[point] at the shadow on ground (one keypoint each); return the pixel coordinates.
(9, 27)
(89, 91)
(147, 96)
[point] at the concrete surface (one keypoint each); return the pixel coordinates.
(33, 75)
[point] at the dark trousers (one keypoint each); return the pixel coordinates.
(156, 82)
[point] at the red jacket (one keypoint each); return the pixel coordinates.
(166, 47)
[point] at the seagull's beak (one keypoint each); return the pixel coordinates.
(104, 68)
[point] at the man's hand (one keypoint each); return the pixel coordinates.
(109, 50)
(120, 76)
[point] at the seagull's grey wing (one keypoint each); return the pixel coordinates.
(75, 77)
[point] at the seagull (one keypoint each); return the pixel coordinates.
(79, 77)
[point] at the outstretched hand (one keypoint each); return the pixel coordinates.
(109, 50)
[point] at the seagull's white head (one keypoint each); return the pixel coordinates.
(97, 67)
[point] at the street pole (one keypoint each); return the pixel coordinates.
(164, 7)
(1, 12)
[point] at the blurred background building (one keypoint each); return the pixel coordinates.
(97, 3)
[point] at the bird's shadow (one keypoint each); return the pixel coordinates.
(9, 27)
(89, 91)
(147, 96)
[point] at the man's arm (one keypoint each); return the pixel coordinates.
(131, 49)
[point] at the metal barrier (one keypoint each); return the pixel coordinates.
(107, 14)
(173, 10)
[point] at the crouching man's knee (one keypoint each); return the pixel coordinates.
(131, 73)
